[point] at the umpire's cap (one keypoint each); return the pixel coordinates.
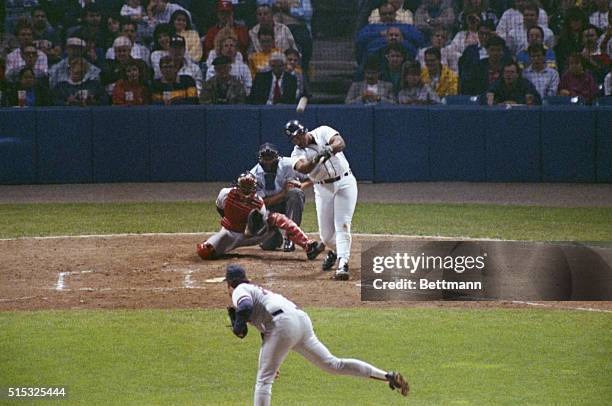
(235, 274)
(293, 128)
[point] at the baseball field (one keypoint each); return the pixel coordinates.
(104, 295)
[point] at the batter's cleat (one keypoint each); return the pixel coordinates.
(329, 261)
(342, 273)
(288, 245)
(397, 381)
(314, 249)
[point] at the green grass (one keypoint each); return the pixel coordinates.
(506, 222)
(451, 356)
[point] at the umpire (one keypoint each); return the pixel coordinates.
(282, 190)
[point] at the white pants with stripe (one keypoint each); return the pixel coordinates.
(293, 330)
(335, 207)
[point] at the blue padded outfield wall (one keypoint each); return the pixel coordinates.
(384, 143)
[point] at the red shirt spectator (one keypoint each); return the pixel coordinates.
(225, 17)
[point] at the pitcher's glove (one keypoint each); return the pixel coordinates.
(231, 312)
(256, 225)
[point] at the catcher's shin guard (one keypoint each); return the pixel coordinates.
(205, 250)
(293, 231)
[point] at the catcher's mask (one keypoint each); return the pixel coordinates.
(293, 128)
(247, 183)
(268, 157)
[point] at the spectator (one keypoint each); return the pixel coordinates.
(161, 47)
(558, 16)
(575, 81)
(605, 45)
(431, 14)
(474, 53)
(133, 10)
(160, 11)
(137, 51)
(293, 67)
(439, 39)
(172, 88)
(182, 63)
(371, 90)
(14, 60)
(274, 86)
(34, 93)
(283, 39)
(469, 36)
(482, 9)
(29, 53)
(113, 30)
(227, 45)
(223, 88)
(131, 89)
(517, 37)
(513, 19)
(570, 40)
(440, 77)
(599, 18)
(78, 91)
(75, 48)
(181, 25)
(476, 78)
(374, 38)
(43, 31)
(114, 67)
(297, 14)
(395, 56)
(15, 11)
(595, 61)
(535, 36)
(511, 88)
(258, 61)
(544, 78)
(225, 18)
(608, 85)
(91, 26)
(413, 90)
(402, 14)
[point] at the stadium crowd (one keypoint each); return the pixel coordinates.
(138, 52)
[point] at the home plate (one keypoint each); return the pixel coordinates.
(215, 280)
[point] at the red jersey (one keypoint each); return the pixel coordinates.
(237, 208)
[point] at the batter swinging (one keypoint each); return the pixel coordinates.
(318, 153)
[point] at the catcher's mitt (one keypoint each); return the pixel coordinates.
(247, 183)
(256, 225)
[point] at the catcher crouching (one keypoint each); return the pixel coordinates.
(246, 222)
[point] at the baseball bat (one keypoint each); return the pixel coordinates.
(301, 106)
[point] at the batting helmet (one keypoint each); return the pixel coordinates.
(268, 157)
(293, 128)
(247, 183)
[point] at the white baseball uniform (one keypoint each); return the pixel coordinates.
(335, 190)
(285, 327)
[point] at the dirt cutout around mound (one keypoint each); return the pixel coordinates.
(164, 271)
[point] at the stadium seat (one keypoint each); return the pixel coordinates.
(562, 100)
(460, 100)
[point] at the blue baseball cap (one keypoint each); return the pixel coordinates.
(235, 273)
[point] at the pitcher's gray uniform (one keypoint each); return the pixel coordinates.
(284, 327)
(335, 190)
